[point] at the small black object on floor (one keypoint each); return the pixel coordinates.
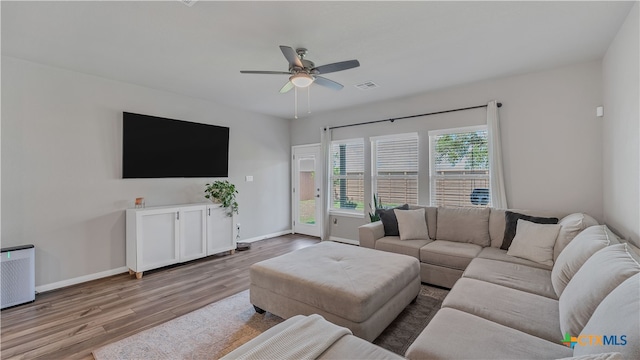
(242, 246)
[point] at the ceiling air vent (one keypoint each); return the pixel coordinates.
(367, 85)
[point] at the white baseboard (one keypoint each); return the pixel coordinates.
(81, 279)
(124, 269)
(268, 236)
(343, 240)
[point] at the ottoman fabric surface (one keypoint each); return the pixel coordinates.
(344, 280)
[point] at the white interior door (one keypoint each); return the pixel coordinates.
(307, 189)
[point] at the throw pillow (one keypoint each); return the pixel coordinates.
(534, 242)
(511, 219)
(585, 244)
(412, 224)
(389, 221)
(599, 275)
(572, 225)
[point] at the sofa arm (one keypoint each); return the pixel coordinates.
(370, 233)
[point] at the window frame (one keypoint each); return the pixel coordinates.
(433, 176)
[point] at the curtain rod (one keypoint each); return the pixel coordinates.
(408, 117)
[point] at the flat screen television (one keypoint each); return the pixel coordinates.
(155, 147)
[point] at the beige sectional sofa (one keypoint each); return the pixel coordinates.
(458, 235)
(504, 310)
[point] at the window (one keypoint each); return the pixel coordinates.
(347, 176)
(394, 169)
(459, 167)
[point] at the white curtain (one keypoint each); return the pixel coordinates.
(496, 172)
(326, 179)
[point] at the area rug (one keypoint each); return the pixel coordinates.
(219, 328)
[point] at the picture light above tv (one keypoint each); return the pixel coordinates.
(155, 147)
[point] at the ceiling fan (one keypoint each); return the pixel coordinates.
(304, 72)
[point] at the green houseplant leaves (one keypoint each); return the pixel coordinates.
(223, 192)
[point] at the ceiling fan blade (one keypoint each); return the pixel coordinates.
(291, 55)
(265, 72)
(287, 87)
(339, 66)
(328, 83)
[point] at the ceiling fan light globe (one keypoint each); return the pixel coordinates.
(301, 80)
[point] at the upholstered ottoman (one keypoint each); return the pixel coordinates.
(358, 288)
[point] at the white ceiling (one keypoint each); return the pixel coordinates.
(405, 47)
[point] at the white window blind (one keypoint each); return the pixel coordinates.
(459, 174)
(394, 164)
(347, 177)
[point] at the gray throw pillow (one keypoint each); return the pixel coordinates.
(511, 219)
(389, 220)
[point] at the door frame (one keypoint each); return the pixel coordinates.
(315, 149)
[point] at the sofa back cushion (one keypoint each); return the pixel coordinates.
(577, 252)
(467, 225)
(600, 274)
(572, 225)
(617, 315)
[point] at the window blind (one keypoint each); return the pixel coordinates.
(395, 169)
(347, 177)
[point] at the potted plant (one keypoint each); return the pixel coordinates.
(224, 193)
(373, 216)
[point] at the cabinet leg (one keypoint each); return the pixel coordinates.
(131, 272)
(139, 275)
(231, 252)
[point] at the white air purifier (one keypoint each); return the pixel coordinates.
(18, 275)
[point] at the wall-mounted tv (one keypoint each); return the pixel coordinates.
(155, 147)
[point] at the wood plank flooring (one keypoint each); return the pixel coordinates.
(69, 323)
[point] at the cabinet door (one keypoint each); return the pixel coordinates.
(157, 239)
(193, 241)
(219, 230)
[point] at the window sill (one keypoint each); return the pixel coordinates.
(346, 213)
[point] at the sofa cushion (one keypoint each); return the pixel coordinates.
(412, 224)
(389, 221)
(577, 252)
(511, 225)
(449, 254)
(533, 314)
(497, 222)
(534, 242)
(499, 254)
(454, 334)
(406, 247)
(601, 273)
(572, 225)
(516, 276)
(467, 225)
(616, 315)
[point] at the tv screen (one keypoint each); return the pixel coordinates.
(155, 147)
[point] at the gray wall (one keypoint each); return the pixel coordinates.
(621, 130)
(552, 143)
(62, 186)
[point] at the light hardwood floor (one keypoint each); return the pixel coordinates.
(69, 323)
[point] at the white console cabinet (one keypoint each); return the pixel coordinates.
(161, 236)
